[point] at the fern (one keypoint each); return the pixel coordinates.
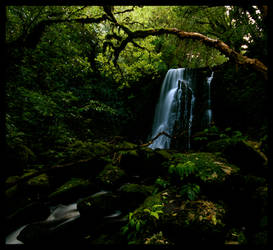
(191, 191)
(182, 169)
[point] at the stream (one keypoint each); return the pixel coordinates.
(59, 215)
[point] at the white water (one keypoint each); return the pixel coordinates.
(62, 213)
(12, 238)
(168, 109)
(209, 111)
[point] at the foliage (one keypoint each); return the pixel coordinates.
(190, 191)
(182, 169)
(217, 133)
(62, 85)
(157, 239)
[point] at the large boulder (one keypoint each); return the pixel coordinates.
(245, 154)
(132, 195)
(62, 226)
(180, 221)
(72, 190)
(29, 213)
(143, 161)
(98, 205)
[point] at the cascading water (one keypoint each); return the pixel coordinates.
(209, 111)
(175, 107)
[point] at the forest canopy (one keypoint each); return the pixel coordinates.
(68, 63)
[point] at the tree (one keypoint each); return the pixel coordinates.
(123, 30)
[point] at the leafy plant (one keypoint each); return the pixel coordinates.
(182, 169)
(155, 211)
(190, 191)
(161, 182)
(133, 228)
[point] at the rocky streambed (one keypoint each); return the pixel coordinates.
(125, 194)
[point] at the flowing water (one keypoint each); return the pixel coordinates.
(209, 111)
(61, 213)
(175, 105)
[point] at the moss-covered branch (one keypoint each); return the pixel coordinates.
(214, 43)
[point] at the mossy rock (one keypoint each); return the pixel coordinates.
(246, 154)
(132, 195)
(129, 161)
(166, 154)
(200, 219)
(29, 213)
(11, 180)
(143, 161)
(72, 190)
(206, 167)
(111, 176)
(82, 150)
(126, 145)
(40, 181)
(98, 205)
(181, 220)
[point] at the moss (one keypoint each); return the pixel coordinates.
(152, 200)
(69, 188)
(127, 145)
(39, 181)
(219, 145)
(82, 150)
(28, 172)
(164, 153)
(12, 179)
(137, 188)
(111, 175)
(12, 191)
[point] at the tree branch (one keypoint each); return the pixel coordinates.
(159, 134)
(214, 43)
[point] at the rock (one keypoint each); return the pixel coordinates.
(27, 214)
(129, 161)
(132, 195)
(245, 154)
(44, 232)
(11, 180)
(72, 190)
(37, 186)
(111, 176)
(181, 221)
(144, 161)
(205, 167)
(98, 205)
(62, 226)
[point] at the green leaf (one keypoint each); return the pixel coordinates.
(155, 214)
(138, 224)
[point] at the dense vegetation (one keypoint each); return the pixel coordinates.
(80, 80)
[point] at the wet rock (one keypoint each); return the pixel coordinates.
(98, 205)
(61, 226)
(72, 190)
(31, 212)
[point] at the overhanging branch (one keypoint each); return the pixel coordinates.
(214, 43)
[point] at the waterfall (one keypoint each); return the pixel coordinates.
(208, 113)
(174, 108)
